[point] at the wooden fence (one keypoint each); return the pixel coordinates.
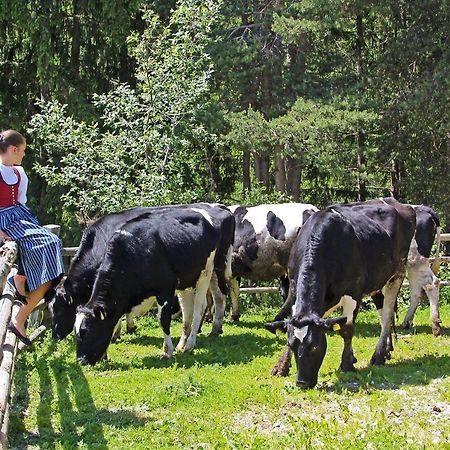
(10, 346)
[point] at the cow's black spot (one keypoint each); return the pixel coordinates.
(275, 227)
(250, 243)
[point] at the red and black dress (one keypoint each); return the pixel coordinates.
(40, 251)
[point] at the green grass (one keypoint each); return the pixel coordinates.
(223, 396)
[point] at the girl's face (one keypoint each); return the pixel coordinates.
(18, 153)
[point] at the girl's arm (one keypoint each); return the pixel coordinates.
(23, 186)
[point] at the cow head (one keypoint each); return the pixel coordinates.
(307, 340)
(63, 308)
(94, 327)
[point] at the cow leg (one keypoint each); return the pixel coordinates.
(117, 331)
(286, 309)
(416, 293)
(378, 300)
(200, 301)
(350, 310)
(187, 311)
(165, 319)
(384, 346)
(130, 324)
(234, 294)
(284, 363)
(219, 306)
(432, 291)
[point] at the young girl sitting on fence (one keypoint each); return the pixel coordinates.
(40, 251)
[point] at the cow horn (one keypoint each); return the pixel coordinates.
(274, 327)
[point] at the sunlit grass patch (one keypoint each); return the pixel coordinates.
(223, 396)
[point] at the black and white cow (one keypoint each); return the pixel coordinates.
(155, 254)
(263, 240)
(341, 254)
(76, 288)
(421, 278)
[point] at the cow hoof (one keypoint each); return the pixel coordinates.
(215, 333)
(131, 330)
(436, 329)
(280, 371)
(406, 325)
(348, 367)
(180, 347)
(378, 360)
(189, 346)
(166, 356)
(235, 318)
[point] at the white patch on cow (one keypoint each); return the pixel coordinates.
(421, 280)
(78, 321)
(348, 307)
(144, 307)
(288, 213)
(383, 201)
(124, 232)
(203, 213)
(200, 290)
(300, 333)
(167, 346)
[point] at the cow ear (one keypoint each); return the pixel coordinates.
(61, 282)
(273, 327)
(99, 312)
(335, 323)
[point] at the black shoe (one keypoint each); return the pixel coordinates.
(21, 337)
(22, 299)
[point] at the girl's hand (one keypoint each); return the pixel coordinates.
(4, 236)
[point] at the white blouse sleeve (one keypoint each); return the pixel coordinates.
(23, 186)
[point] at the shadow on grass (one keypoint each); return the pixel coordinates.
(224, 350)
(65, 393)
(406, 372)
(366, 329)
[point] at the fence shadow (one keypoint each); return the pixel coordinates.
(65, 392)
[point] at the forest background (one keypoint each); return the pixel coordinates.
(128, 103)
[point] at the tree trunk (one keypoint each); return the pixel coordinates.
(246, 172)
(293, 177)
(257, 165)
(264, 170)
(280, 171)
(361, 160)
(76, 35)
(395, 179)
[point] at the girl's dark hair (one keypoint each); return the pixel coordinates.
(10, 137)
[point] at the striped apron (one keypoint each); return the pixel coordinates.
(40, 251)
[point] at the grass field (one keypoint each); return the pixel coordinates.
(223, 397)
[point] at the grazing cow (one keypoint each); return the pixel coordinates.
(76, 288)
(155, 254)
(341, 254)
(418, 271)
(263, 239)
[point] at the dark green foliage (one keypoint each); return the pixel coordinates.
(240, 101)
